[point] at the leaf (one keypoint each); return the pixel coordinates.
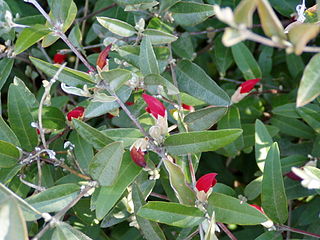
(183, 47)
(126, 135)
(64, 231)
(232, 120)
(203, 141)
(253, 189)
(301, 34)
(13, 224)
(295, 65)
(285, 7)
(263, 142)
(311, 116)
(223, 56)
(245, 61)
(309, 87)
(288, 110)
(147, 58)
(179, 184)
(133, 2)
(193, 80)
(54, 199)
(116, 26)
(231, 210)
(173, 214)
(105, 165)
(204, 118)
(9, 154)
(159, 37)
(6, 134)
(19, 112)
(30, 36)
(97, 139)
(127, 173)
(150, 230)
(273, 196)
(68, 76)
(116, 77)
(265, 60)
(271, 25)
(52, 118)
(191, 13)
(273, 235)
(6, 65)
(63, 12)
(244, 12)
(155, 80)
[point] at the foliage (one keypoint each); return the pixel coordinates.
(112, 109)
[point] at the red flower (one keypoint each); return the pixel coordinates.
(155, 107)
(247, 86)
(257, 207)
(187, 107)
(293, 176)
(102, 59)
(75, 113)
(129, 103)
(138, 157)
(59, 58)
(206, 182)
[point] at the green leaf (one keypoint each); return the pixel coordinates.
(128, 172)
(159, 37)
(287, 110)
(116, 77)
(191, 13)
(293, 127)
(245, 61)
(273, 196)
(271, 25)
(30, 36)
(309, 87)
(265, 60)
(311, 116)
(19, 112)
(292, 161)
(263, 142)
(223, 56)
(6, 65)
(133, 2)
(105, 165)
(194, 142)
(244, 12)
(232, 120)
(204, 118)
(273, 235)
(154, 81)
(193, 80)
(173, 214)
(179, 184)
(150, 230)
(116, 26)
(183, 47)
(52, 118)
(68, 76)
(97, 139)
(6, 134)
(13, 224)
(285, 7)
(147, 59)
(64, 231)
(63, 12)
(126, 135)
(253, 189)
(301, 34)
(9, 154)
(231, 210)
(54, 199)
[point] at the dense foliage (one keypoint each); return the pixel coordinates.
(132, 119)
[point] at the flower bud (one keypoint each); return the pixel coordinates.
(206, 182)
(76, 113)
(266, 224)
(138, 157)
(59, 58)
(102, 60)
(243, 90)
(155, 107)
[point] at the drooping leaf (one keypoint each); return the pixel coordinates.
(105, 165)
(174, 214)
(147, 59)
(273, 196)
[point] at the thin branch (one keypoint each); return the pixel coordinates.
(227, 231)
(157, 195)
(29, 184)
(192, 235)
(295, 230)
(95, 13)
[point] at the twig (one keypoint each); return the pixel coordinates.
(44, 53)
(226, 231)
(192, 235)
(37, 187)
(39, 173)
(287, 228)
(95, 13)
(157, 195)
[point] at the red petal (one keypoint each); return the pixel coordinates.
(138, 157)
(187, 107)
(102, 59)
(247, 86)
(129, 103)
(293, 176)
(75, 113)
(155, 107)
(59, 58)
(257, 207)
(206, 182)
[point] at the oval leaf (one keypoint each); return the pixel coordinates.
(9, 154)
(159, 37)
(116, 26)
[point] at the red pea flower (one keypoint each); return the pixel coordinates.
(247, 86)
(155, 107)
(187, 107)
(206, 182)
(75, 113)
(59, 58)
(102, 59)
(137, 155)
(293, 176)
(257, 207)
